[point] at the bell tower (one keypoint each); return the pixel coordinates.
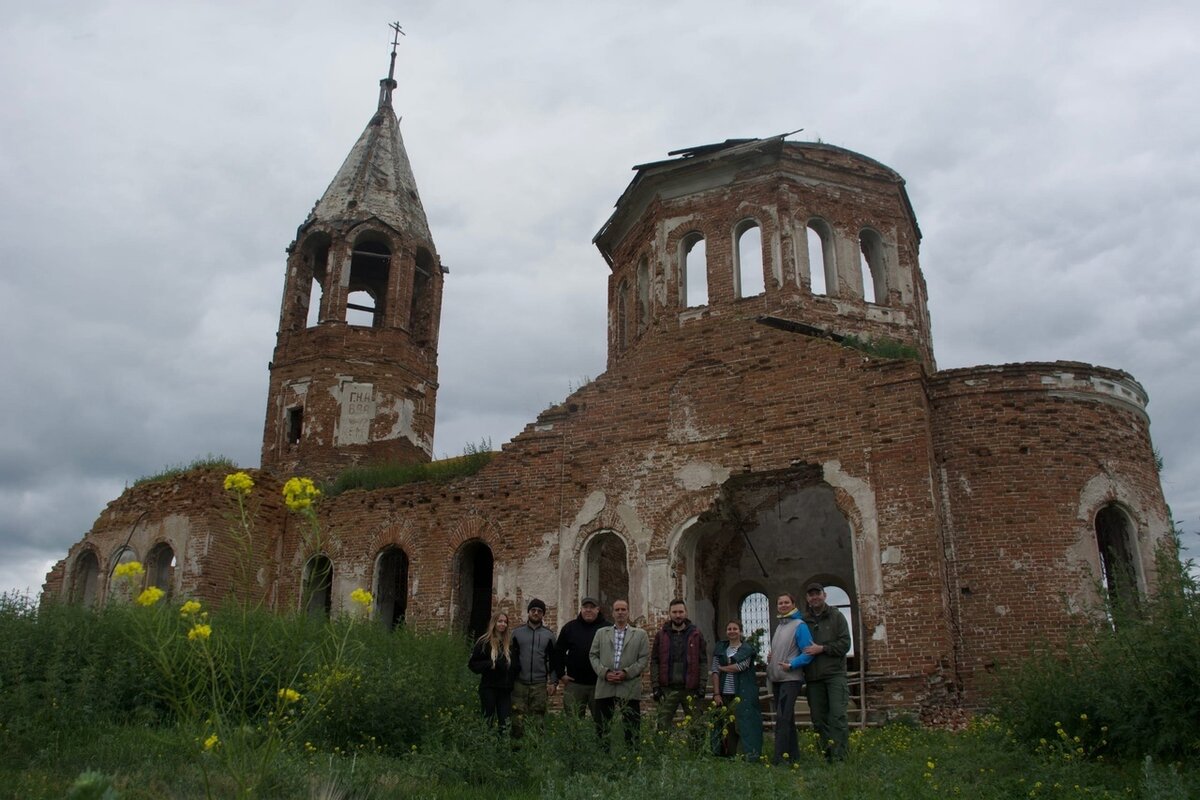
(354, 373)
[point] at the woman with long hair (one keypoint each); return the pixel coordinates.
(494, 660)
(735, 688)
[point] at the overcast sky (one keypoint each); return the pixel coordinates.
(156, 159)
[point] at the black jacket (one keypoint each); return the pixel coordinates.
(501, 676)
(574, 643)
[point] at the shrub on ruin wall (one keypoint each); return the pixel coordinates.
(1127, 687)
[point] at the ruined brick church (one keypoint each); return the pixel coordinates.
(771, 413)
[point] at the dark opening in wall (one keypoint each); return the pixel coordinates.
(317, 593)
(391, 588)
(160, 567)
(85, 579)
(295, 424)
(475, 566)
(1114, 539)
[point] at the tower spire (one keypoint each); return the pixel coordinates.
(389, 83)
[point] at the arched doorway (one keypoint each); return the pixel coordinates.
(391, 586)
(160, 567)
(475, 568)
(316, 597)
(605, 573)
(767, 534)
(86, 578)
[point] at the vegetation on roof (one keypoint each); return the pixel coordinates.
(174, 470)
(881, 348)
(382, 476)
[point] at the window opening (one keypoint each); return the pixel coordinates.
(1114, 538)
(872, 263)
(695, 271)
(318, 260)
(295, 424)
(751, 280)
(370, 263)
(391, 587)
(837, 597)
(317, 597)
(755, 616)
(820, 256)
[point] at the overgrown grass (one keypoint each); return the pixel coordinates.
(881, 348)
(171, 471)
(381, 476)
(385, 714)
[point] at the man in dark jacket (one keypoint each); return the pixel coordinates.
(828, 690)
(574, 665)
(536, 678)
(678, 664)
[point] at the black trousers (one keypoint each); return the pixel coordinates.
(496, 704)
(631, 716)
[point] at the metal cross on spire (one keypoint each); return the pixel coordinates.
(389, 83)
(395, 26)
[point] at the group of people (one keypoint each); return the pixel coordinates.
(599, 665)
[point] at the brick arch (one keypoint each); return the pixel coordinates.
(682, 515)
(1112, 488)
(398, 532)
(471, 528)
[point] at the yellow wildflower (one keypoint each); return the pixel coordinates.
(362, 597)
(299, 493)
(289, 695)
(199, 632)
(239, 482)
(149, 596)
(211, 742)
(130, 570)
(190, 608)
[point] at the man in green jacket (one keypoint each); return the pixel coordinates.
(828, 690)
(619, 655)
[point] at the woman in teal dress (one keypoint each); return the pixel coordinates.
(735, 688)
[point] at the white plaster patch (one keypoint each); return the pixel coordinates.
(660, 586)
(633, 524)
(890, 555)
(404, 409)
(880, 633)
(356, 403)
(866, 541)
(698, 474)
(1002, 611)
(591, 509)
